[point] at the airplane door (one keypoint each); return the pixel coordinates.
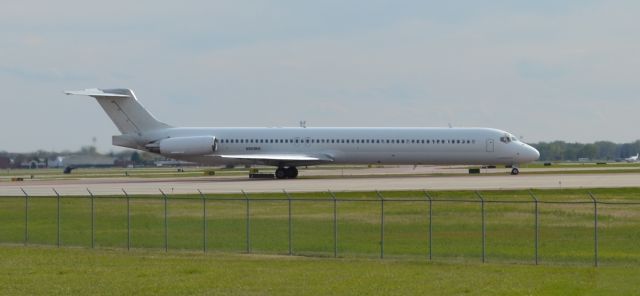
(489, 145)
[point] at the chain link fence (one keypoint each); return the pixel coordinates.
(472, 227)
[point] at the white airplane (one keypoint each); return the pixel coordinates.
(632, 158)
(287, 148)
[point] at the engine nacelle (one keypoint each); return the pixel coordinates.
(202, 145)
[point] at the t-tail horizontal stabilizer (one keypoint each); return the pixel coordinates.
(124, 110)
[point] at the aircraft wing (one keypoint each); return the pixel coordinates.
(282, 159)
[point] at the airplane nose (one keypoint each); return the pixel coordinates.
(533, 153)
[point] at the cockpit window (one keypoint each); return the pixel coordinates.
(507, 138)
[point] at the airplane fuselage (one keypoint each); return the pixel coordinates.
(357, 145)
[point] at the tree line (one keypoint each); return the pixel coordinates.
(601, 150)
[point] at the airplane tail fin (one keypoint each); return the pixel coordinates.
(124, 110)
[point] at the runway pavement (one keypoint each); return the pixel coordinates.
(110, 186)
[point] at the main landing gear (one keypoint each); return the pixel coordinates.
(287, 173)
(515, 171)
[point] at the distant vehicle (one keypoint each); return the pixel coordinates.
(287, 148)
(632, 158)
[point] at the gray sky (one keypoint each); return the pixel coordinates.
(543, 69)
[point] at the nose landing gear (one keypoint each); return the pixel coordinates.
(287, 173)
(515, 171)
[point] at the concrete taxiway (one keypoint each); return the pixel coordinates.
(111, 186)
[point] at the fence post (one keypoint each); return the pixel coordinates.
(128, 220)
(26, 217)
(595, 229)
(335, 224)
(204, 221)
(248, 221)
(483, 227)
(381, 224)
(58, 217)
(430, 220)
(537, 229)
(166, 224)
(290, 233)
(93, 220)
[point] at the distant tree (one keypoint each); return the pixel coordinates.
(88, 150)
(589, 151)
(135, 158)
(606, 150)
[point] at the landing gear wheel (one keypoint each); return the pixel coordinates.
(281, 173)
(291, 172)
(515, 171)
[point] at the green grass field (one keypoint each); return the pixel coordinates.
(566, 232)
(68, 271)
(566, 245)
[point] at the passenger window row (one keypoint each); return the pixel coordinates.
(349, 141)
